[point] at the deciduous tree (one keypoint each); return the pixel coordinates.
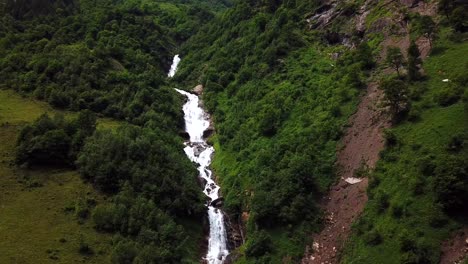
(395, 59)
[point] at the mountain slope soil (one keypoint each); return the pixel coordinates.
(363, 139)
(361, 145)
(455, 249)
(407, 215)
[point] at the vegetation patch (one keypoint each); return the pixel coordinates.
(421, 179)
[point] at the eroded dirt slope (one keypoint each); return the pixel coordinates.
(362, 142)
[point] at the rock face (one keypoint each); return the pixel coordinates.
(323, 15)
(235, 234)
(410, 3)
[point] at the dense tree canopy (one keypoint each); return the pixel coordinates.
(111, 58)
(54, 140)
(279, 103)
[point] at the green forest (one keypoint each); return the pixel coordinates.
(86, 108)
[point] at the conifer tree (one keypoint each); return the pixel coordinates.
(414, 62)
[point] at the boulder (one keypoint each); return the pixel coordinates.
(208, 132)
(217, 202)
(202, 181)
(184, 135)
(198, 89)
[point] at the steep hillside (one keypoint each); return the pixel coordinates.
(282, 79)
(339, 127)
(110, 57)
(280, 96)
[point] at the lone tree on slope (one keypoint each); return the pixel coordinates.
(395, 59)
(414, 62)
(395, 96)
(428, 28)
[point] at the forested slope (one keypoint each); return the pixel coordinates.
(279, 100)
(281, 80)
(110, 58)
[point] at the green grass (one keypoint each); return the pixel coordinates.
(34, 225)
(432, 133)
(17, 109)
(399, 168)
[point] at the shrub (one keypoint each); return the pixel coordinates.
(258, 245)
(383, 201)
(407, 241)
(84, 248)
(81, 210)
(456, 143)
(447, 96)
(390, 138)
(54, 141)
(417, 185)
(397, 210)
(373, 238)
(451, 184)
(414, 114)
(124, 252)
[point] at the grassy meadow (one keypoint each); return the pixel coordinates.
(38, 222)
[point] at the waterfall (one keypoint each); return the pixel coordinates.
(198, 151)
(175, 64)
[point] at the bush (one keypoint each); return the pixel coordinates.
(373, 238)
(447, 96)
(258, 245)
(457, 143)
(383, 201)
(417, 185)
(84, 248)
(124, 252)
(451, 184)
(390, 138)
(407, 241)
(81, 210)
(54, 141)
(103, 217)
(414, 114)
(397, 210)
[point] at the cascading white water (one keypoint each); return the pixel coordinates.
(175, 64)
(198, 151)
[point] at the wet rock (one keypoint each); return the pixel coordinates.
(202, 181)
(217, 202)
(232, 258)
(198, 149)
(208, 132)
(234, 232)
(184, 135)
